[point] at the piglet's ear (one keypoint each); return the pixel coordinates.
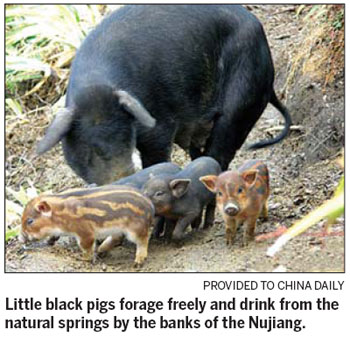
(250, 176)
(209, 182)
(179, 187)
(43, 207)
(135, 108)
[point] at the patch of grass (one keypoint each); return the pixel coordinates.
(320, 54)
(41, 41)
(15, 203)
(12, 233)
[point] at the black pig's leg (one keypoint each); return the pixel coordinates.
(195, 153)
(155, 156)
(246, 93)
(169, 228)
(155, 146)
(229, 133)
(158, 227)
(182, 224)
(197, 222)
(209, 214)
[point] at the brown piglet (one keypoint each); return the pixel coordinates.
(241, 196)
(90, 214)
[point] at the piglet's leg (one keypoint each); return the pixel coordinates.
(110, 242)
(141, 251)
(138, 232)
(182, 224)
(87, 245)
(52, 240)
(197, 222)
(265, 211)
(158, 227)
(209, 214)
(249, 231)
(169, 228)
(231, 229)
(86, 240)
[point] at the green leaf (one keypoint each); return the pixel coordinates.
(331, 209)
(11, 233)
(28, 65)
(14, 106)
(22, 196)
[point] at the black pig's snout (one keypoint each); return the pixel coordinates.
(231, 209)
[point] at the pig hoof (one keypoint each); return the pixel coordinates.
(91, 185)
(101, 255)
(137, 265)
(98, 257)
(229, 242)
(85, 259)
(207, 225)
(245, 243)
(178, 236)
(139, 259)
(95, 259)
(177, 244)
(156, 236)
(167, 238)
(51, 241)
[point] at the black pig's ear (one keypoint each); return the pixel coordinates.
(179, 187)
(135, 108)
(58, 128)
(209, 182)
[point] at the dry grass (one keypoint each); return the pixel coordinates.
(320, 52)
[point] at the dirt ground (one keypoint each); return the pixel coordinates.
(303, 174)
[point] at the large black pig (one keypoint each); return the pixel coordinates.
(148, 76)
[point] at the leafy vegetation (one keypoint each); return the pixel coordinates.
(41, 41)
(15, 207)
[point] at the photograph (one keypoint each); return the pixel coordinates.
(174, 138)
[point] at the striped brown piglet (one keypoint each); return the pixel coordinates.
(241, 196)
(91, 214)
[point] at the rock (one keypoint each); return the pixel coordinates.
(274, 206)
(298, 200)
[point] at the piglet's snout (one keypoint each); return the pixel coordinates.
(23, 237)
(231, 209)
